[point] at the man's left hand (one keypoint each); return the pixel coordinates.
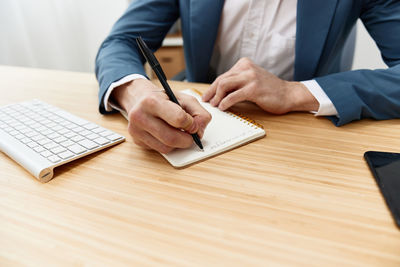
(247, 81)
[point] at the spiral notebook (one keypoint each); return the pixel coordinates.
(225, 132)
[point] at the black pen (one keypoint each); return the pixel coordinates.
(155, 65)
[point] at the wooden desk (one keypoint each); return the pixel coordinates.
(301, 196)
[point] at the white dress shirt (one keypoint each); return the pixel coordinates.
(265, 32)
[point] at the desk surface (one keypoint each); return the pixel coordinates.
(301, 196)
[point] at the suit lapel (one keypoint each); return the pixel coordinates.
(314, 18)
(204, 21)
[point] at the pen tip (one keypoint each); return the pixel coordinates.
(197, 141)
(200, 145)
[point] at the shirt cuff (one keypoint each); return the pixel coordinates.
(107, 104)
(326, 107)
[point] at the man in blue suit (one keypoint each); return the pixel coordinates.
(283, 55)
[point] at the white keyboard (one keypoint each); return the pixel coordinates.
(41, 137)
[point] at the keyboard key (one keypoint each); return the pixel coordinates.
(113, 137)
(41, 129)
(77, 138)
(64, 122)
(32, 144)
(63, 131)
(46, 154)
(70, 134)
(78, 129)
(51, 145)
(60, 139)
(47, 132)
(53, 136)
(33, 125)
(54, 158)
(14, 133)
(24, 120)
(58, 149)
(92, 136)
(70, 126)
(90, 126)
(101, 141)
(88, 144)
(31, 134)
(98, 130)
(15, 124)
(77, 149)
(67, 143)
(66, 155)
(40, 119)
(8, 129)
(25, 140)
(38, 137)
(51, 125)
(106, 133)
(85, 133)
(19, 136)
(70, 117)
(44, 141)
(58, 119)
(24, 130)
(20, 127)
(39, 149)
(57, 128)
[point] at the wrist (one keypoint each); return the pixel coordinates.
(126, 95)
(301, 98)
(120, 95)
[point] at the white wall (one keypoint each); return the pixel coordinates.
(65, 34)
(55, 34)
(366, 55)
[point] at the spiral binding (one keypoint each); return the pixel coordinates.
(197, 91)
(249, 121)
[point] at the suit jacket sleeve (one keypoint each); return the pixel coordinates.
(371, 93)
(119, 55)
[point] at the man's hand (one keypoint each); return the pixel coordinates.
(247, 81)
(155, 122)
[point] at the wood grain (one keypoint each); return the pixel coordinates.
(301, 196)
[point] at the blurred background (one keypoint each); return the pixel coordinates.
(66, 34)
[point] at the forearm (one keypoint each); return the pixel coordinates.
(115, 60)
(119, 55)
(364, 94)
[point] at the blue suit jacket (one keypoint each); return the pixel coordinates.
(323, 29)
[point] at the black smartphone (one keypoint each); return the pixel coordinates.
(385, 166)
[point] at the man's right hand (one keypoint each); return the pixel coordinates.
(155, 122)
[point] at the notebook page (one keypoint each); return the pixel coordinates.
(224, 132)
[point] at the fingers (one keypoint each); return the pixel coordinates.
(209, 94)
(171, 113)
(213, 88)
(234, 79)
(145, 140)
(200, 115)
(156, 122)
(234, 98)
(156, 133)
(227, 86)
